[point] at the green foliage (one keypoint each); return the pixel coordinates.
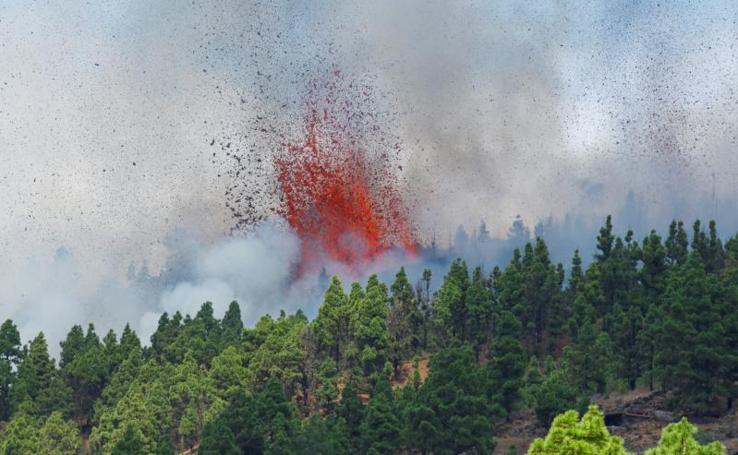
(692, 357)
(228, 373)
(145, 410)
(193, 402)
(58, 437)
(449, 306)
(275, 351)
(554, 394)
(368, 327)
(542, 315)
(39, 382)
(655, 313)
(627, 351)
(29, 435)
(132, 441)
(569, 435)
(232, 325)
(21, 435)
(404, 321)
(119, 382)
(86, 371)
(327, 389)
(452, 413)
(218, 439)
(589, 436)
(507, 366)
(351, 410)
(129, 342)
(10, 354)
(322, 435)
(332, 322)
(380, 427)
(162, 341)
(72, 345)
(677, 244)
(678, 439)
(589, 359)
(480, 310)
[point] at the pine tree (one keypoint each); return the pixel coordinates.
(729, 289)
(129, 342)
(72, 345)
(277, 352)
(242, 418)
(279, 418)
(9, 358)
(449, 305)
(351, 410)
(715, 254)
(404, 320)
(480, 310)
(569, 435)
(424, 304)
(201, 336)
(590, 359)
(380, 427)
(677, 245)
(654, 271)
(506, 368)
(218, 439)
(162, 340)
(678, 438)
(455, 391)
(87, 374)
(576, 275)
(648, 341)
(542, 299)
(626, 325)
(9, 342)
(39, 382)
(232, 325)
(21, 434)
(131, 442)
(368, 327)
(327, 389)
(691, 354)
(605, 240)
(58, 437)
(111, 352)
(322, 435)
(699, 241)
(120, 382)
(331, 324)
(588, 302)
(555, 393)
(419, 423)
(228, 373)
(192, 399)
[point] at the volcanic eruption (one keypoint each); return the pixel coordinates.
(342, 201)
(333, 175)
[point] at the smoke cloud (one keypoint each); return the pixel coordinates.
(120, 124)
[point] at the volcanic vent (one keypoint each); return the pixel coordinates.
(337, 179)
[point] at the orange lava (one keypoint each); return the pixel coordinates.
(344, 208)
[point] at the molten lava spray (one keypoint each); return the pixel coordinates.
(344, 205)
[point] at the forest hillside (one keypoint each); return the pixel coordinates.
(399, 368)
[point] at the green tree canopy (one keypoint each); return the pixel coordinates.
(678, 439)
(570, 435)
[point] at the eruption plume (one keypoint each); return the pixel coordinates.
(344, 206)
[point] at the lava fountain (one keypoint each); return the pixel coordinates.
(344, 205)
